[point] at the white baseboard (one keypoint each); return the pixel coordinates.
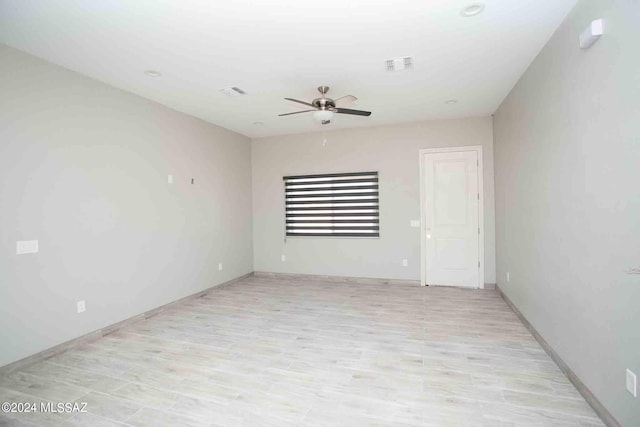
(95, 335)
(591, 399)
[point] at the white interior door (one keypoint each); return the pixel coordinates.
(451, 197)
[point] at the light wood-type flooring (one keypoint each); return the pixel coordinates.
(274, 352)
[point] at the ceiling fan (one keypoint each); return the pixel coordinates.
(323, 107)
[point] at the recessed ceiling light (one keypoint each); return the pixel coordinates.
(451, 101)
(153, 73)
(472, 9)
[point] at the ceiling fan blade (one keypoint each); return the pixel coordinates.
(354, 112)
(300, 102)
(295, 112)
(347, 99)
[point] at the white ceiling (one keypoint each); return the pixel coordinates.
(286, 48)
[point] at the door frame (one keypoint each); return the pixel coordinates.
(423, 243)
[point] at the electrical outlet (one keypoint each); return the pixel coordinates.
(219, 266)
(508, 277)
(81, 306)
(405, 262)
(283, 258)
(26, 247)
(631, 383)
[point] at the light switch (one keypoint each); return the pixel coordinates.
(26, 247)
(631, 383)
(415, 223)
(170, 179)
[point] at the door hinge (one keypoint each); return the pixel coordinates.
(478, 196)
(478, 264)
(478, 230)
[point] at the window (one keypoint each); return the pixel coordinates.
(336, 205)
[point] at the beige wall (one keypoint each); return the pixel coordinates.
(567, 143)
(391, 150)
(83, 169)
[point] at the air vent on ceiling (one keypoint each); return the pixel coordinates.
(232, 91)
(399, 64)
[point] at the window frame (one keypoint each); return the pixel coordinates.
(348, 203)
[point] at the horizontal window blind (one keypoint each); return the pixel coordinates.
(336, 205)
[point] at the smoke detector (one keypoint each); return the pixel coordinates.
(399, 64)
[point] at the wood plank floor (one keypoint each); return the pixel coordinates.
(270, 352)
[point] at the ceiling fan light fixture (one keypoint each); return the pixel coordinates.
(323, 115)
(472, 9)
(324, 107)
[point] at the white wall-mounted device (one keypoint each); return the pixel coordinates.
(591, 34)
(26, 247)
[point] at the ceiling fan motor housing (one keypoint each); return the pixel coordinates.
(324, 103)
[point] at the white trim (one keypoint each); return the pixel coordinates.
(422, 152)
